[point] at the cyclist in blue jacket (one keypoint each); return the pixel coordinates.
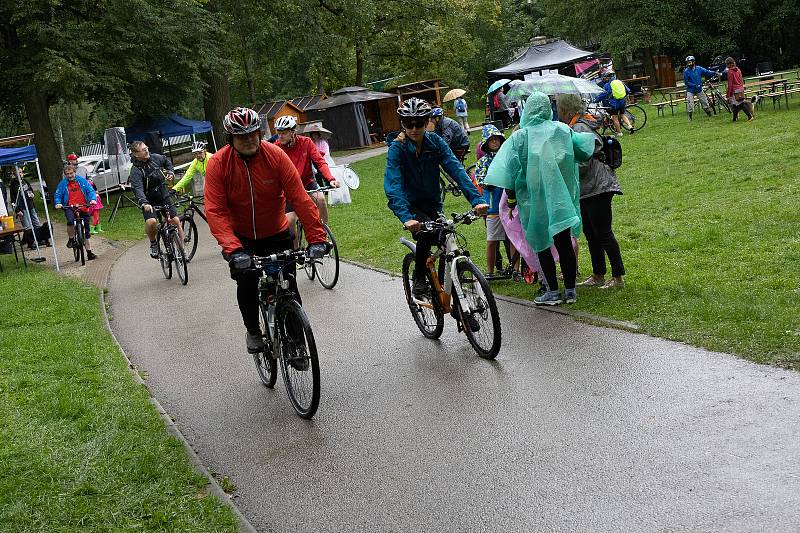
(615, 97)
(411, 182)
(693, 81)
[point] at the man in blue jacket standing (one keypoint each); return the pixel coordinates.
(411, 182)
(693, 80)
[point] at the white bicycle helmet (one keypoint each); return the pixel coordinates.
(286, 122)
(241, 120)
(414, 108)
(689, 58)
(198, 146)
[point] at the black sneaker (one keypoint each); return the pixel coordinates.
(472, 322)
(255, 341)
(90, 255)
(154, 249)
(71, 242)
(421, 290)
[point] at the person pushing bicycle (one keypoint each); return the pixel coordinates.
(148, 181)
(248, 183)
(412, 186)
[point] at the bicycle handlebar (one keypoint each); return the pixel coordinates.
(286, 255)
(443, 224)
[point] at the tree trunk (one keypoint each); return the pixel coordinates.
(216, 102)
(359, 64)
(37, 111)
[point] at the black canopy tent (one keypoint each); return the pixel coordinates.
(554, 55)
(344, 115)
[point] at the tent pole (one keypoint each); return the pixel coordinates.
(27, 209)
(216, 148)
(47, 213)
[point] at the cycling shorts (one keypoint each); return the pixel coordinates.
(170, 209)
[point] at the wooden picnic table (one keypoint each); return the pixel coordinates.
(15, 234)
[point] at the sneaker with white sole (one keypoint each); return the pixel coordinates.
(592, 281)
(570, 296)
(549, 298)
(154, 249)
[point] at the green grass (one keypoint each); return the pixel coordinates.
(707, 226)
(82, 447)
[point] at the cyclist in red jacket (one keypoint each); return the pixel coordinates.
(303, 152)
(248, 183)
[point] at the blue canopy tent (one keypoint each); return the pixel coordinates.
(171, 126)
(13, 157)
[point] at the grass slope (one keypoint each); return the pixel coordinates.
(707, 225)
(82, 447)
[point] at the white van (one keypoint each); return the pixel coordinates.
(102, 170)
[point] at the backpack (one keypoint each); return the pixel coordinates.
(461, 106)
(611, 153)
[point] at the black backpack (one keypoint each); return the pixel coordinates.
(611, 154)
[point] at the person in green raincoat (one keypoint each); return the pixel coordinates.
(538, 167)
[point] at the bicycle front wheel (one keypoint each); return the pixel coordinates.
(637, 117)
(299, 361)
(189, 237)
(266, 366)
(428, 316)
(327, 268)
(478, 311)
(77, 248)
(163, 255)
(180, 259)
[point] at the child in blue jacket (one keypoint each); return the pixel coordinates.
(74, 190)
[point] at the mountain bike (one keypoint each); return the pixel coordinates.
(458, 288)
(170, 246)
(325, 269)
(634, 118)
(716, 98)
(78, 247)
(288, 336)
(187, 222)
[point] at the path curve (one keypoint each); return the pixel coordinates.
(574, 427)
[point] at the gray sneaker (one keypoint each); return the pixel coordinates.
(255, 341)
(154, 249)
(570, 296)
(549, 298)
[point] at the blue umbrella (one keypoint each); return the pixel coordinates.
(496, 85)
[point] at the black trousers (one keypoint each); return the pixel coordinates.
(425, 241)
(566, 258)
(247, 283)
(596, 215)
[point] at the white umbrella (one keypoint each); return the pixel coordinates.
(453, 94)
(552, 84)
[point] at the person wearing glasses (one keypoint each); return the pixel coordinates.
(412, 186)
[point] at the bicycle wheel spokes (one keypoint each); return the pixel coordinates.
(327, 268)
(189, 237)
(636, 116)
(299, 362)
(479, 315)
(428, 317)
(163, 255)
(180, 259)
(266, 366)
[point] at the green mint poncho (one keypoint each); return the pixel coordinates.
(540, 163)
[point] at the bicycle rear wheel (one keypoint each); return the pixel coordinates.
(478, 311)
(266, 366)
(180, 259)
(163, 255)
(327, 268)
(189, 237)
(299, 361)
(80, 241)
(637, 117)
(309, 265)
(428, 317)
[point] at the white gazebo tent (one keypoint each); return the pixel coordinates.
(15, 157)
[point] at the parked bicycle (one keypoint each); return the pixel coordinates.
(715, 96)
(634, 118)
(79, 246)
(191, 206)
(458, 288)
(288, 336)
(170, 246)
(326, 268)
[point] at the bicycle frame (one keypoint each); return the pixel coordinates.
(276, 285)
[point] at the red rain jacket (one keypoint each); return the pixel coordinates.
(302, 154)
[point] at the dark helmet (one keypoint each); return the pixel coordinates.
(241, 120)
(414, 107)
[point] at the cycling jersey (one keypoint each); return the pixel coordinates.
(147, 180)
(247, 197)
(302, 153)
(196, 167)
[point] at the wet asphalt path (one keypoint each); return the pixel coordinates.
(573, 427)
